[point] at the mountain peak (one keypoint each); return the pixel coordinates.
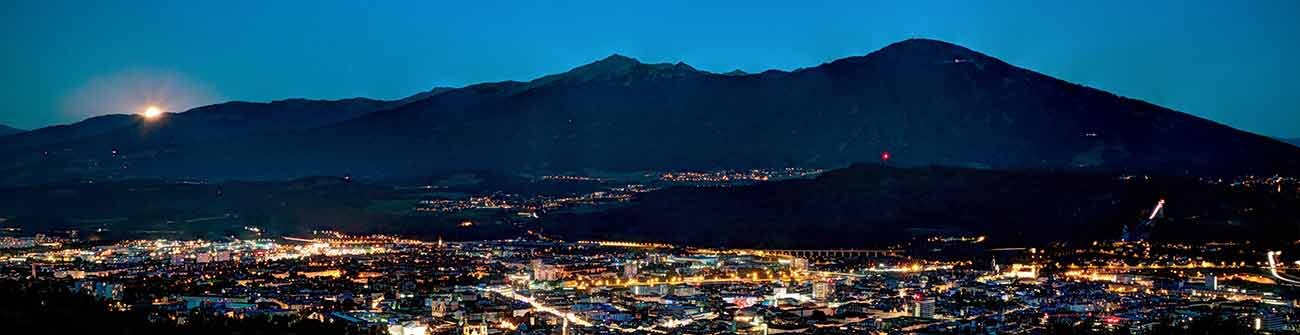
(923, 43)
(616, 58)
(614, 64)
(920, 50)
(923, 46)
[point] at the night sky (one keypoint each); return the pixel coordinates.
(1230, 61)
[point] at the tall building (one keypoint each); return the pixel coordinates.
(1211, 283)
(547, 272)
(822, 290)
(441, 305)
(108, 291)
(478, 329)
(408, 328)
(799, 264)
(923, 308)
(748, 321)
(1271, 321)
(629, 269)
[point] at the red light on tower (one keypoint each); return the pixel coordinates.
(884, 156)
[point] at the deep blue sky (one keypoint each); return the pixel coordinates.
(1231, 61)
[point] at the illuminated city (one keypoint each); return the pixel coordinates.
(362, 284)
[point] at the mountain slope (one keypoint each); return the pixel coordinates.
(1292, 141)
(225, 119)
(7, 130)
(85, 149)
(927, 102)
(61, 133)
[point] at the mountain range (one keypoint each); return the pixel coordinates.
(926, 102)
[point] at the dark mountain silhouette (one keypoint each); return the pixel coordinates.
(80, 149)
(220, 120)
(927, 102)
(62, 133)
(1293, 141)
(7, 130)
(872, 205)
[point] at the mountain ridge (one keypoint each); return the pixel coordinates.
(907, 52)
(276, 115)
(929, 102)
(7, 130)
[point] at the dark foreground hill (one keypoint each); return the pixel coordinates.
(872, 205)
(153, 208)
(928, 102)
(860, 206)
